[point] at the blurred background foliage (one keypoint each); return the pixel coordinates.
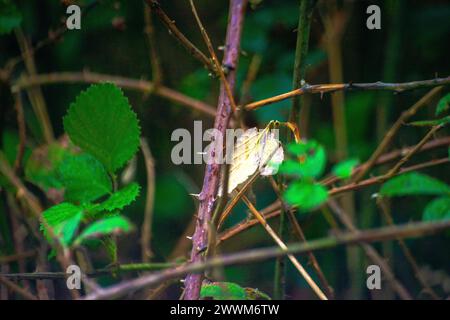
(413, 44)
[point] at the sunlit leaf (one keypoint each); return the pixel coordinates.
(103, 227)
(438, 209)
(64, 219)
(102, 123)
(312, 157)
(223, 291)
(345, 168)
(413, 183)
(305, 195)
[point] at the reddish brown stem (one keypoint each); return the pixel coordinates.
(211, 181)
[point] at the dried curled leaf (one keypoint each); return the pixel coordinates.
(254, 150)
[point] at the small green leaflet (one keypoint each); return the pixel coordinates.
(443, 104)
(312, 159)
(10, 17)
(64, 219)
(223, 291)
(84, 178)
(103, 227)
(101, 122)
(230, 291)
(119, 199)
(345, 168)
(438, 209)
(413, 183)
(305, 195)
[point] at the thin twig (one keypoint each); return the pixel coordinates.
(14, 287)
(283, 246)
(409, 230)
(390, 156)
(180, 37)
(413, 151)
(146, 232)
(392, 132)
(126, 83)
(22, 132)
(324, 88)
(214, 57)
(384, 177)
(123, 268)
(17, 256)
(157, 75)
(35, 93)
(275, 208)
(406, 252)
(370, 251)
(212, 172)
(301, 236)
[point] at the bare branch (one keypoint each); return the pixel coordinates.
(410, 230)
(324, 88)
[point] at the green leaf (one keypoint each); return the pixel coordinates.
(438, 209)
(64, 219)
(291, 167)
(66, 229)
(413, 183)
(41, 167)
(305, 195)
(429, 123)
(223, 291)
(345, 168)
(312, 158)
(84, 178)
(107, 226)
(102, 123)
(10, 17)
(443, 104)
(119, 199)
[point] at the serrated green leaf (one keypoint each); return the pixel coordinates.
(102, 123)
(10, 17)
(429, 123)
(305, 195)
(223, 291)
(312, 158)
(413, 183)
(443, 104)
(84, 178)
(107, 226)
(438, 209)
(64, 219)
(345, 168)
(119, 199)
